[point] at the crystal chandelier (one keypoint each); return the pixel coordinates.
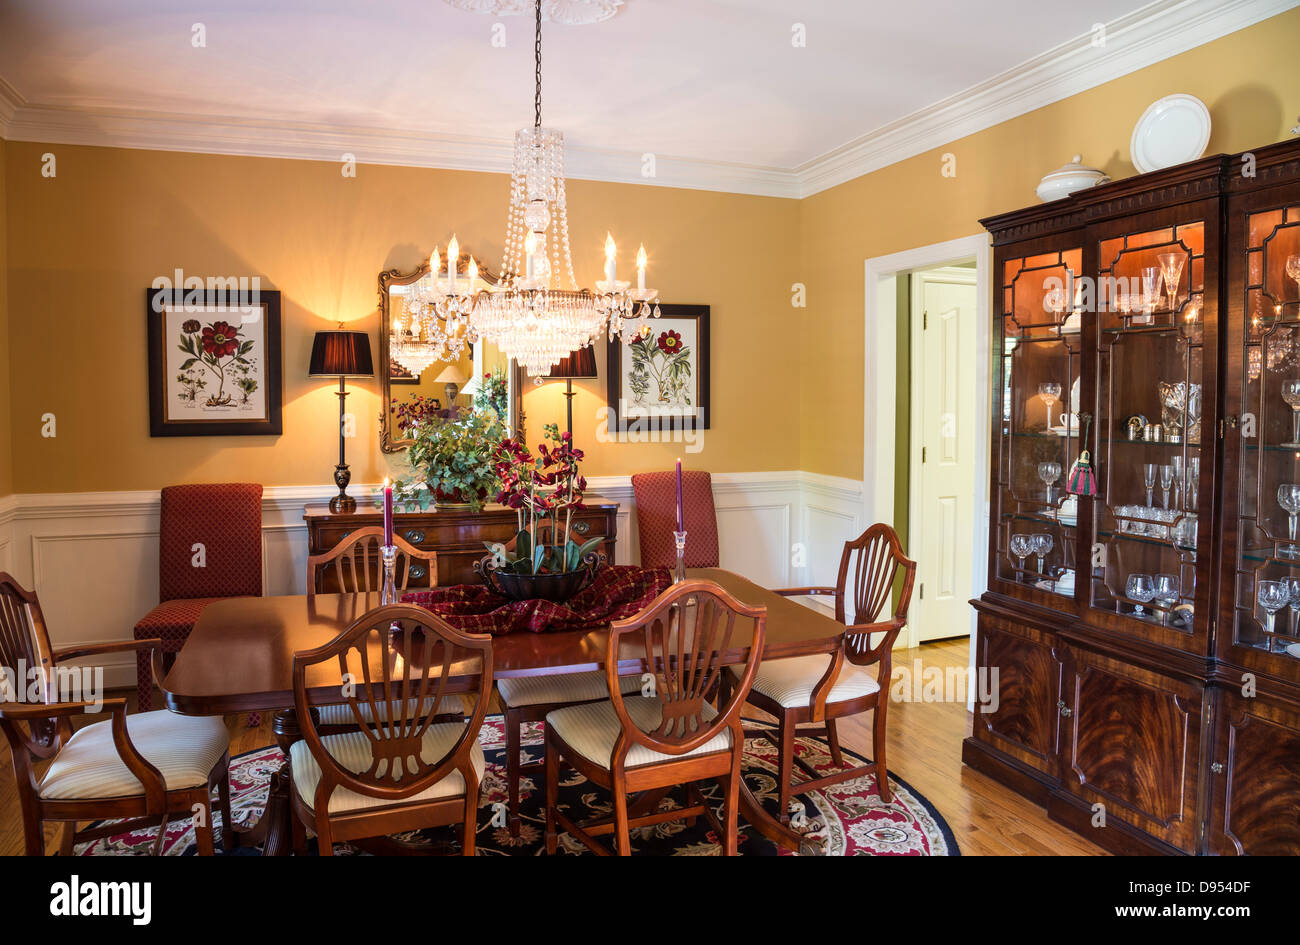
(535, 313)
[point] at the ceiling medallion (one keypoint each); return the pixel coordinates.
(566, 12)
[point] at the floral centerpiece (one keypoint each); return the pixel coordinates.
(544, 491)
(451, 457)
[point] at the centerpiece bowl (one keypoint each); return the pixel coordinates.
(555, 586)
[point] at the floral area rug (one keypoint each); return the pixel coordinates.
(849, 817)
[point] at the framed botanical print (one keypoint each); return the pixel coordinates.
(662, 380)
(214, 364)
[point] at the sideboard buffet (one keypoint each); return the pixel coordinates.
(1143, 640)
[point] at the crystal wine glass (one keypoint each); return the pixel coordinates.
(1022, 547)
(1150, 288)
(1050, 391)
(1042, 544)
(1193, 481)
(1272, 596)
(1291, 394)
(1180, 480)
(1149, 473)
(1168, 592)
(1166, 480)
(1141, 588)
(1288, 496)
(1293, 598)
(1049, 473)
(1171, 268)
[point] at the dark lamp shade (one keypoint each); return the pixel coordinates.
(341, 353)
(580, 363)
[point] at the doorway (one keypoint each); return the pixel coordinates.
(952, 570)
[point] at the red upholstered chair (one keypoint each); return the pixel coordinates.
(226, 519)
(656, 518)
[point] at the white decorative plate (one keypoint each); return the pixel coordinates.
(1172, 131)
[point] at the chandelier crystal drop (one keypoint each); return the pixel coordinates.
(535, 313)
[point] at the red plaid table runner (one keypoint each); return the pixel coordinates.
(618, 591)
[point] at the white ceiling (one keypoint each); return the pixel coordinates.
(699, 83)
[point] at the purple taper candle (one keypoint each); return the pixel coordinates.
(388, 512)
(681, 521)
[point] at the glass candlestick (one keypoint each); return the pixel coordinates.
(679, 574)
(388, 594)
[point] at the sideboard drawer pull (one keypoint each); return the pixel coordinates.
(419, 572)
(414, 536)
(582, 527)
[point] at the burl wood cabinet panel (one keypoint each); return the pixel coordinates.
(1025, 724)
(1255, 779)
(456, 534)
(1133, 744)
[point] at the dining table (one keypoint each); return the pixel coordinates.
(239, 658)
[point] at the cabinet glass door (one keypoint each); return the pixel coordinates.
(1266, 494)
(1037, 433)
(1152, 448)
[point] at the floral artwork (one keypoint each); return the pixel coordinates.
(661, 379)
(214, 369)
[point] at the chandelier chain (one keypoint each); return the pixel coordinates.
(537, 63)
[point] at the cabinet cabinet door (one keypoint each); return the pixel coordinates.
(1255, 779)
(1133, 745)
(1025, 673)
(1260, 596)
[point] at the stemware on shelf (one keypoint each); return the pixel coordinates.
(1149, 473)
(1180, 480)
(1050, 391)
(1271, 596)
(1168, 591)
(1150, 288)
(1171, 268)
(1291, 394)
(1288, 496)
(1293, 598)
(1042, 547)
(1140, 588)
(1049, 473)
(1184, 533)
(1193, 481)
(1022, 547)
(1166, 480)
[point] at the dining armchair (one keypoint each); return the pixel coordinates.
(150, 768)
(356, 564)
(670, 736)
(816, 690)
(209, 548)
(656, 518)
(398, 769)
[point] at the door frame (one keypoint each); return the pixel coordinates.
(915, 511)
(880, 383)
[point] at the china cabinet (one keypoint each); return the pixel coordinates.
(1141, 629)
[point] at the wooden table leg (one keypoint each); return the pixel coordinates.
(768, 826)
(272, 832)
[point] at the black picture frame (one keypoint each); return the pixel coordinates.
(614, 370)
(156, 300)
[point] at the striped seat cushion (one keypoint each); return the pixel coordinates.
(564, 688)
(341, 713)
(790, 682)
(352, 751)
(591, 730)
(183, 748)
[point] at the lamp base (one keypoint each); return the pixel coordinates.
(342, 502)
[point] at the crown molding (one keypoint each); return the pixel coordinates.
(1132, 42)
(1153, 33)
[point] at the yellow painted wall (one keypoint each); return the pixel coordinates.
(84, 246)
(6, 453)
(1248, 79)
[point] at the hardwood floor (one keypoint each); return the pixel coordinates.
(924, 750)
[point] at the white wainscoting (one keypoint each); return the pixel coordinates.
(93, 557)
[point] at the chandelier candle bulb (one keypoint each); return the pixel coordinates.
(435, 264)
(640, 271)
(611, 268)
(453, 257)
(473, 274)
(530, 247)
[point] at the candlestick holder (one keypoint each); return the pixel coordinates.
(388, 594)
(679, 574)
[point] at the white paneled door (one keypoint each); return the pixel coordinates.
(941, 516)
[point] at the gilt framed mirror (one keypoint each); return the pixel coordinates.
(398, 385)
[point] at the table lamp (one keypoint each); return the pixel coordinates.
(341, 353)
(580, 364)
(454, 378)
